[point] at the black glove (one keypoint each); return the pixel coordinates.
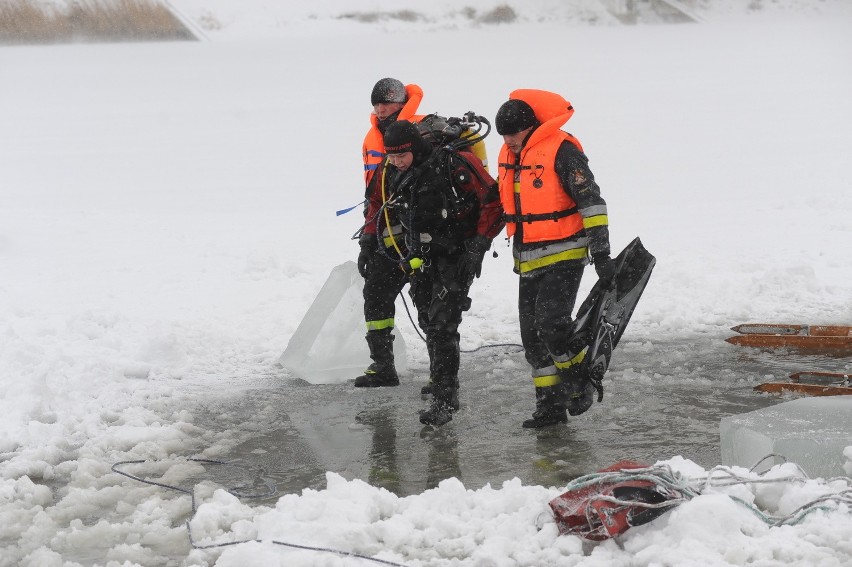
(367, 254)
(605, 267)
(470, 262)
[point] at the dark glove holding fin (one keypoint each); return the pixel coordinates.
(605, 267)
(470, 262)
(368, 252)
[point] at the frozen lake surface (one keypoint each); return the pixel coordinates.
(661, 399)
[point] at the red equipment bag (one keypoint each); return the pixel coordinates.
(609, 505)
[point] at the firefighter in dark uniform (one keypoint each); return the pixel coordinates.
(449, 210)
(558, 220)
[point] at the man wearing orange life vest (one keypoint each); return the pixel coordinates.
(557, 219)
(391, 101)
(383, 280)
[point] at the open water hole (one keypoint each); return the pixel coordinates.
(662, 399)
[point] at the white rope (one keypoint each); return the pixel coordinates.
(679, 489)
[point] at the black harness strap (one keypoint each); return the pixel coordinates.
(533, 217)
(514, 166)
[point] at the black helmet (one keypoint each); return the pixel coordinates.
(388, 90)
(513, 116)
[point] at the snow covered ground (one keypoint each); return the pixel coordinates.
(168, 216)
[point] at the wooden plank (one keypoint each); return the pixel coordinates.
(809, 389)
(829, 331)
(832, 344)
(767, 329)
(805, 330)
(821, 378)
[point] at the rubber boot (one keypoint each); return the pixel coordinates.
(426, 390)
(444, 363)
(382, 371)
(445, 402)
(549, 408)
(429, 389)
(578, 390)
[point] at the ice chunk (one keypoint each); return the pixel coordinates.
(328, 347)
(812, 432)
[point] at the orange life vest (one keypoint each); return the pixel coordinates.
(373, 149)
(546, 210)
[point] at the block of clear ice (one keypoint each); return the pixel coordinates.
(810, 431)
(328, 346)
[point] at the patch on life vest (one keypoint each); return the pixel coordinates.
(579, 178)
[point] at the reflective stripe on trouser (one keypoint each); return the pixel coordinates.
(564, 361)
(544, 377)
(549, 376)
(379, 325)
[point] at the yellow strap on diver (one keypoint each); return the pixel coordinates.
(387, 215)
(388, 224)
